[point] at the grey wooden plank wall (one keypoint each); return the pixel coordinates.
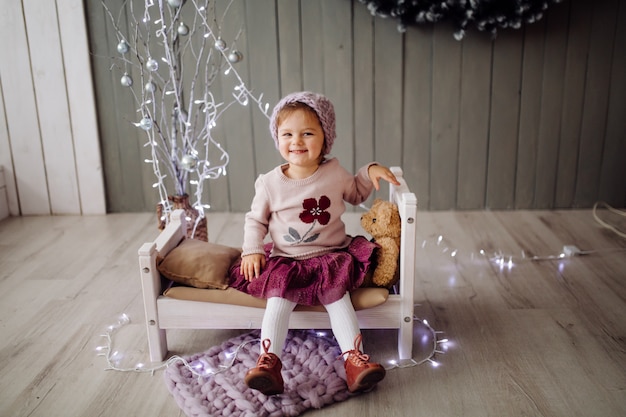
(534, 119)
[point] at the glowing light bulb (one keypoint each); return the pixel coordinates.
(435, 364)
(124, 319)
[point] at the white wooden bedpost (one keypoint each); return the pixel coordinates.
(151, 286)
(151, 281)
(407, 206)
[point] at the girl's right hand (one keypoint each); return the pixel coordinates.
(251, 266)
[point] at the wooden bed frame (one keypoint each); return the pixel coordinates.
(164, 313)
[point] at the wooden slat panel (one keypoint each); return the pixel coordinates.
(288, 12)
(593, 126)
(123, 144)
(445, 118)
(530, 114)
(234, 130)
(613, 175)
(551, 105)
(81, 106)
(363, 34)
(312, 57)
(52, 105)
(387, 92)
(21, 111)
(474, 121)
(6, 162)
(416, 163)
(573, 93)
(504, 120)
(264, 73)
(338, 73)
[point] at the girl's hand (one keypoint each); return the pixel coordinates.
(251, 266)
(377, 172)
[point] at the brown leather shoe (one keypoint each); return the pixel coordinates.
(266, 376)
(361, 374)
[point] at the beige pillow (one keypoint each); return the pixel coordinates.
(199, 264)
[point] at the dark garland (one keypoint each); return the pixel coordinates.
(485, 15)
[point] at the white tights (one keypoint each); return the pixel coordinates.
(276, 323)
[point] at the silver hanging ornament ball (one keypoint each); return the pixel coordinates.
(175, 3)
(145, 123)
(183, 29)
(235, 56)
(220, 45)
(150, 87)
(152, 64)
(126, 80)
(123, 47)
(188, 162)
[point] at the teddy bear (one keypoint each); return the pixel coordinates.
(383, 223)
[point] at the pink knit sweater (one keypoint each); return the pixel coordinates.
(303, 217)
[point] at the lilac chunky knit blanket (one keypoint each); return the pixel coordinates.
(314, 377)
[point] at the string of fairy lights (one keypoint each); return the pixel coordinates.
(431, 340)
(114, 358)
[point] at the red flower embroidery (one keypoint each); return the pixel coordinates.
(316, 211)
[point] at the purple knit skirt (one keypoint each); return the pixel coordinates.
(320, 280)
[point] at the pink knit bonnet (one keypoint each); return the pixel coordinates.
(320, 105)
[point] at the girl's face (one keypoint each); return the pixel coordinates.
(301, 140)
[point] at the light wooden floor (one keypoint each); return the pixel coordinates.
(527, 339)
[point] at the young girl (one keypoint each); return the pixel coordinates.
(311, 260)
